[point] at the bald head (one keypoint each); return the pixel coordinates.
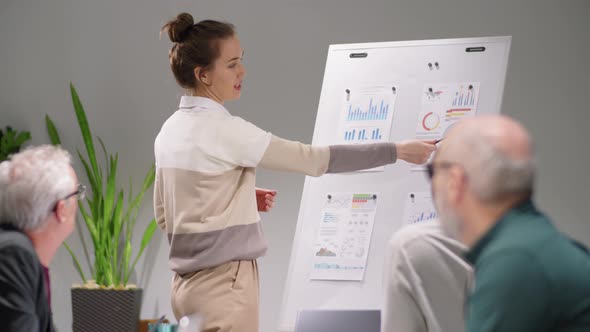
(503, 133)
(497, 155)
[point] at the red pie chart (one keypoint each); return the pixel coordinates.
(431, 121)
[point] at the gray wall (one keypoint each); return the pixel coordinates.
(110, 49)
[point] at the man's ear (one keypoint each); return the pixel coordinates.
(60, 211)
(457, 184)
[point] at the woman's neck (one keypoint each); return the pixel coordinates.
(206, 93)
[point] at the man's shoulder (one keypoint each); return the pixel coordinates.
(420, 234)
(16, 246)
(539, 252)
(425, 243)
(14, 239)
(526, 234)
(533, 237)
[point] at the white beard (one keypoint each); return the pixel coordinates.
(450, 222)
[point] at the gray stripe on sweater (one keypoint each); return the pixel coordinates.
(349, 158)
(196, 251)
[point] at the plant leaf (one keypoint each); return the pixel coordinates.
(109, 200)
(79, 229)
(91, 226)
(84, 128)
(11, 142)
(22, 137)
(126, 259)
(145, 240)
(117, 222)
(76, 263)
(94, 186)
(52, 131)
(118, 213)
(147, 183)
(106, 156)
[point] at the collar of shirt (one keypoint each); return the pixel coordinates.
(47, 284)
(475, 252)
(191, 103)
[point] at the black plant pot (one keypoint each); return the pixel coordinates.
(102, 310)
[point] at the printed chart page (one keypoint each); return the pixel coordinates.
(344, 236)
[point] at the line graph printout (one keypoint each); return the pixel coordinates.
(419, 208)
(344, 236)
(443, 105)
(367, 115)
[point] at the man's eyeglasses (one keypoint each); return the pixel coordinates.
(80, 192)
(432, 166)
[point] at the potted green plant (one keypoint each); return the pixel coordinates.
(106, 302)
(11, 141)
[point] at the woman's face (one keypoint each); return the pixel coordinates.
(223, 81)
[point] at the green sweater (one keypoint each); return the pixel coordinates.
(528, 277)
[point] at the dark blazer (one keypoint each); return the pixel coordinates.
(23, 294)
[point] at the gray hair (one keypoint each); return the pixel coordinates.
(31, 183)
(493, 174)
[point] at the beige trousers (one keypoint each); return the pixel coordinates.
(226, 295)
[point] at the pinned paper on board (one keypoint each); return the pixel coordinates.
(443, 105)
(343, 239)
(419, 207)
(367, 116)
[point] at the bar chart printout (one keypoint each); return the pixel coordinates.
(419, 208)
(367, 115)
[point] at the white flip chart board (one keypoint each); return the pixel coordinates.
(432, 84)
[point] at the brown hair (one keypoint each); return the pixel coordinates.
(195, 45)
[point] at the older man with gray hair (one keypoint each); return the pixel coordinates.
(38, 191)
(528, 276)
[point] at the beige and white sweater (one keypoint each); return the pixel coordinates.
(204, 192)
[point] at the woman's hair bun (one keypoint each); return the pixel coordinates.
(179, 27)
